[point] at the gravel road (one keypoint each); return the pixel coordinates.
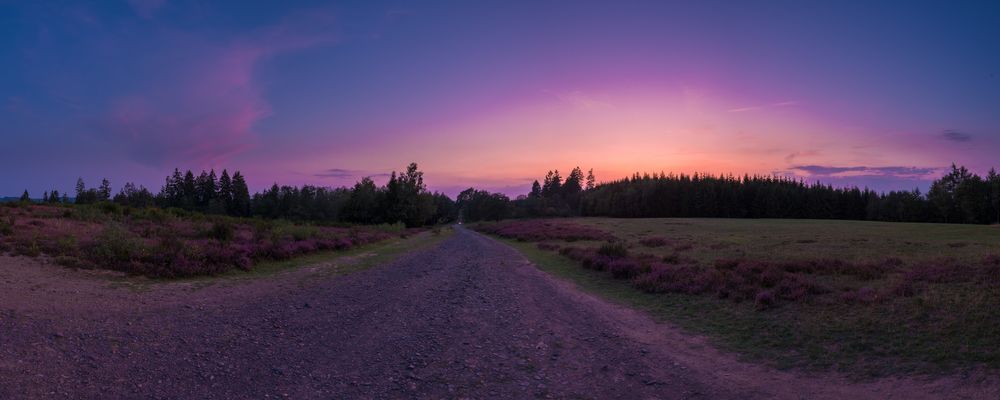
(469, 318)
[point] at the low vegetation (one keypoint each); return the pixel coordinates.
(867, 297)
(167, 243)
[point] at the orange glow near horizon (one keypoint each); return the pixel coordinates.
(685, 131)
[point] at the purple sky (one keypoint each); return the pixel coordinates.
(493, 94)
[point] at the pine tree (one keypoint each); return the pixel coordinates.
(104, 193)
(25, 198)
(536, 190)
(80, 187)
(226, 192)
(993, 180)
(591, 182)
(241, 196)
(189, 192)
(574, 183)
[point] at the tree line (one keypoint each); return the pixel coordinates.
(959, 196)
(403, 199)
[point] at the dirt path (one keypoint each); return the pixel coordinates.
(469, 318)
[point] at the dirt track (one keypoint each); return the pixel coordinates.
(469, 318)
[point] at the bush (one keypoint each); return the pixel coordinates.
(222, 231)
(7, 227)
(616, 249)
(623, 268)
(152, 214)
(110, 208)
(543, 230)
(655, 241)
(67, 246)
(116, 248)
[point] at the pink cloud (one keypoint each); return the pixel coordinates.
(200, 108)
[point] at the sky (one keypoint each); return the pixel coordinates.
(493, 94)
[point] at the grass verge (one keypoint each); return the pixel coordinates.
(915, 335)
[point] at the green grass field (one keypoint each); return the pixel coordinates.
(946, 325)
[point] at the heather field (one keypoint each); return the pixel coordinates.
(167, 243)
(868, 298)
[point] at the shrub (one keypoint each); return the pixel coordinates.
(544, 230)
(88, 213)
(730, 279)
(655, 241)
(991, 275)
(110, 208)
(597, 262)
(944, 271)
(222, 231)
(623, 268)
(864, 295)
(672, 258)
(683, 247)
(764, 299)
(29, 248)
(152, 214)
(616, 249)
(687, 279)
(7, 227)
(67, 246)
(115, 248)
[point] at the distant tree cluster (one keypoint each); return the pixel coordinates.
(481, 205)
(555, 196)
(958, 197)
(205, 193)
(403, 199)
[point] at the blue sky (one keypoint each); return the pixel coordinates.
(493, 94)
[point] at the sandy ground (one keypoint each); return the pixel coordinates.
(470, 318)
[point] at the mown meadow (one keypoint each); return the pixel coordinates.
(867, 298)
(168, 243)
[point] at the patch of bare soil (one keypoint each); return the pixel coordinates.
(470, 318)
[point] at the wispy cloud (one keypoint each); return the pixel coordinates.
(956, 135)
(764, 106)
(895, 171)
(202, 111)
(341, 173)
(338, 173)
(798, 154)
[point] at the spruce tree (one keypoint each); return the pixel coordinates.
(80, 187)
(241, 196)
(104, 192)
(226, 191)
(573, 183)
(536, 190)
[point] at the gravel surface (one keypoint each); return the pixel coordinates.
(469, 318)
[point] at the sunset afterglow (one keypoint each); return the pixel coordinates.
(496, 94)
